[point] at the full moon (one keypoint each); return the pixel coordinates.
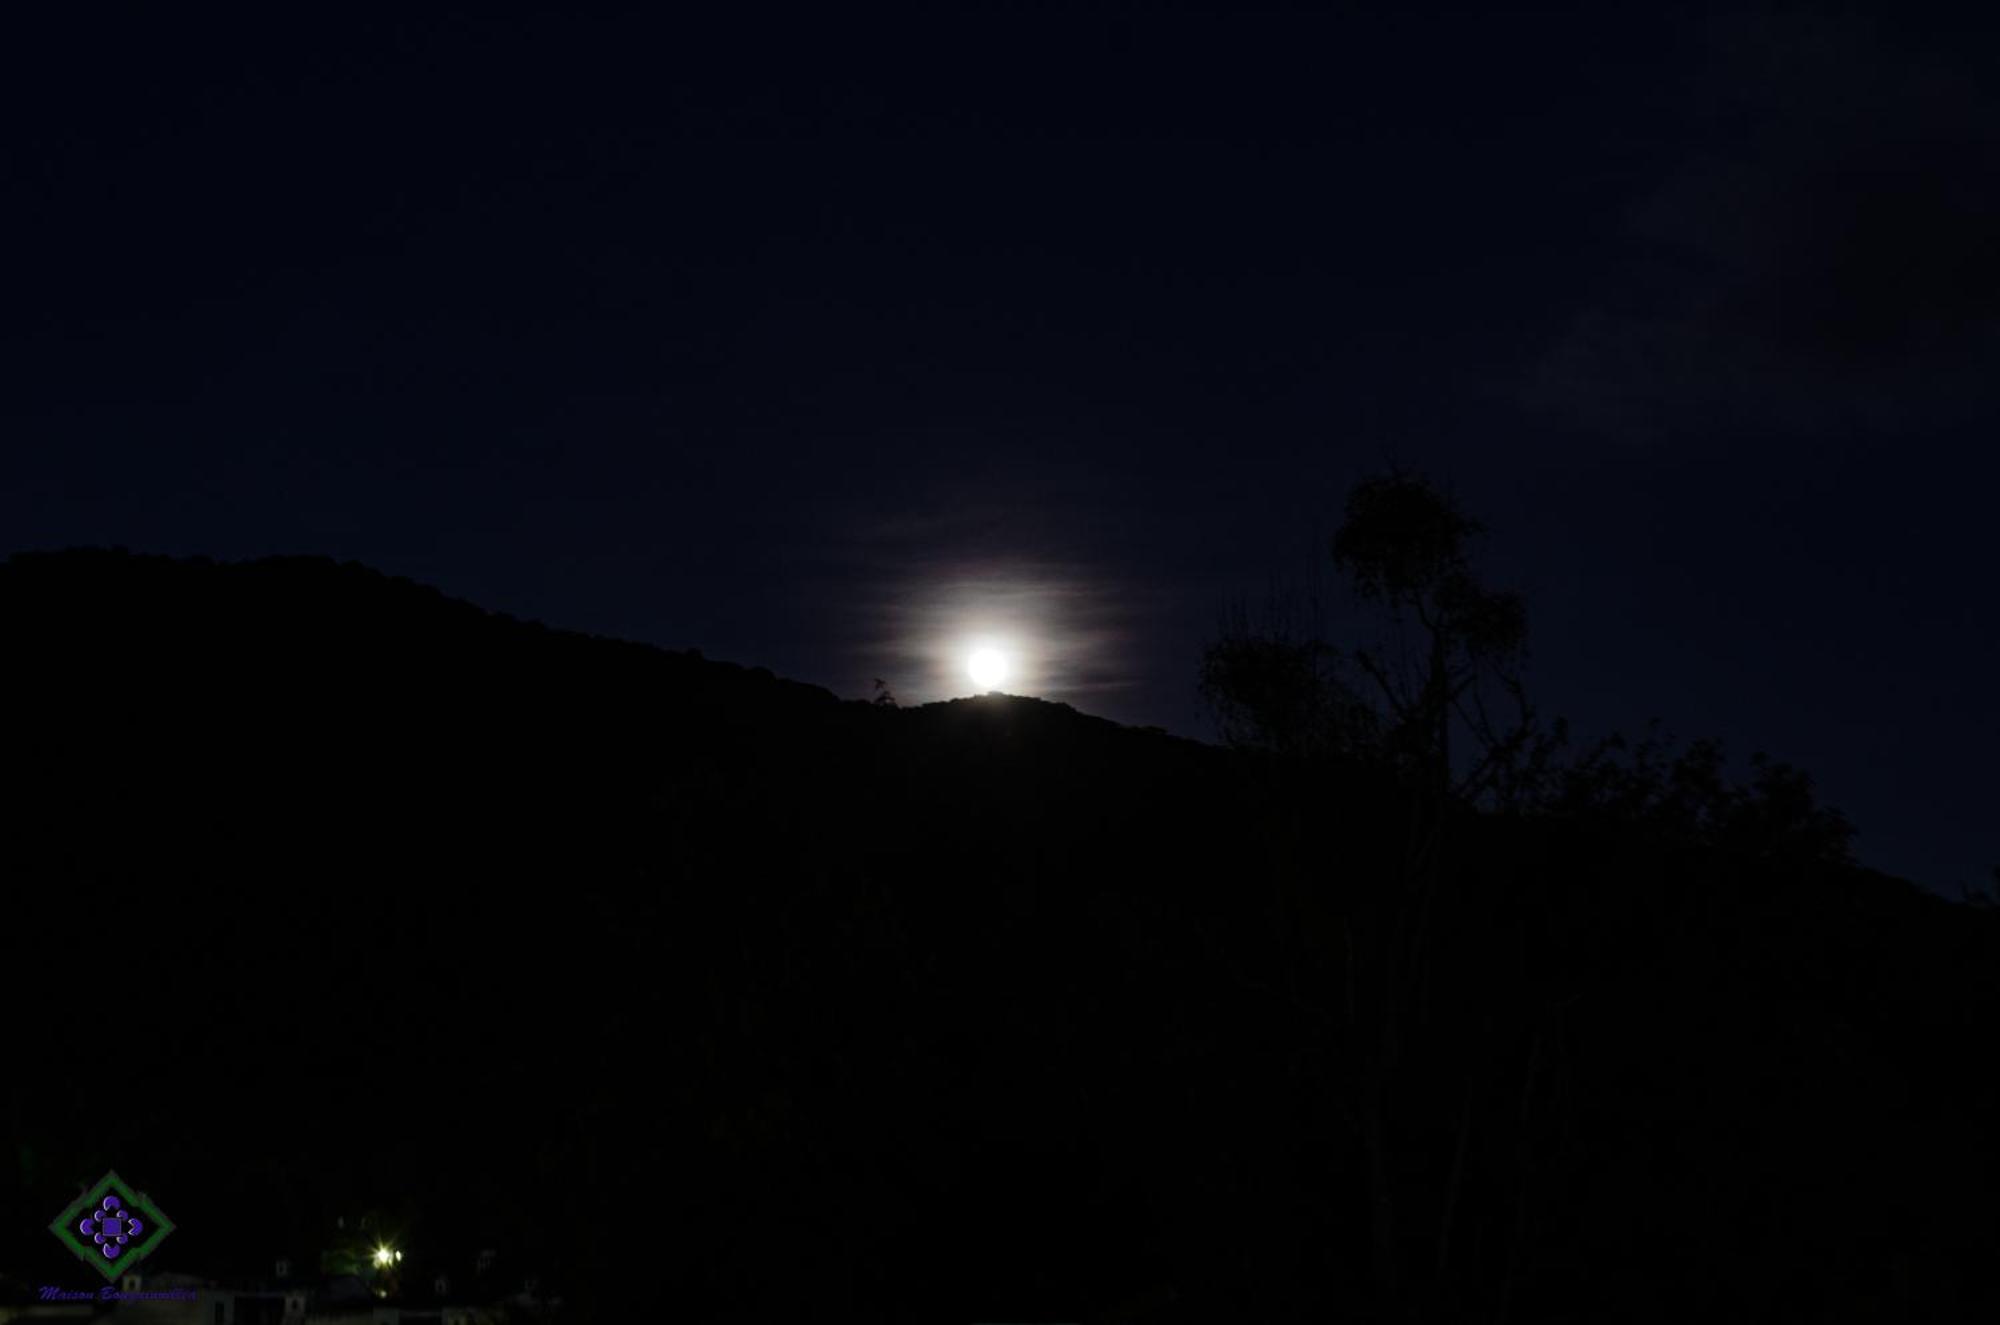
(988, 667)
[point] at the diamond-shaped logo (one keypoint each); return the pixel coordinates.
(111, 1226)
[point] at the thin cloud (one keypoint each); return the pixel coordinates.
(1823, 260)
(1067, 631)
(1011, 565)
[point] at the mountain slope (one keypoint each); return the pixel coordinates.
(978, 1009)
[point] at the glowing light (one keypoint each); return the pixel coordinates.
(987, 666)
(384, 1256)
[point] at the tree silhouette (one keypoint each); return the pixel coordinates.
(1446, 654)
(1406, 547)
(1274, 687)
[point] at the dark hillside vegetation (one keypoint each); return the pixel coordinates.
(326, 892)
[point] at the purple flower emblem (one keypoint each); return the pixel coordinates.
(111, 1225)
(110, 1229)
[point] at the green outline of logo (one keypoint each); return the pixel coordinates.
(158, 1226)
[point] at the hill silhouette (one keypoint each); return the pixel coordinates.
(697, 987)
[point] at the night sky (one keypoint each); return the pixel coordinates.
(830, 342)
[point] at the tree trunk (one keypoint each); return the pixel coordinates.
(1382, 1200)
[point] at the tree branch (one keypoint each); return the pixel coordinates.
(1375, 673)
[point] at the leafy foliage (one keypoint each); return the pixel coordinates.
(1686, 796)
(1274, 689)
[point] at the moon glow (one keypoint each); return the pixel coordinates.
(987, 666)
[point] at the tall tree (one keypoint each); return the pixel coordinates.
(1448, 646)
(1406, 546)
